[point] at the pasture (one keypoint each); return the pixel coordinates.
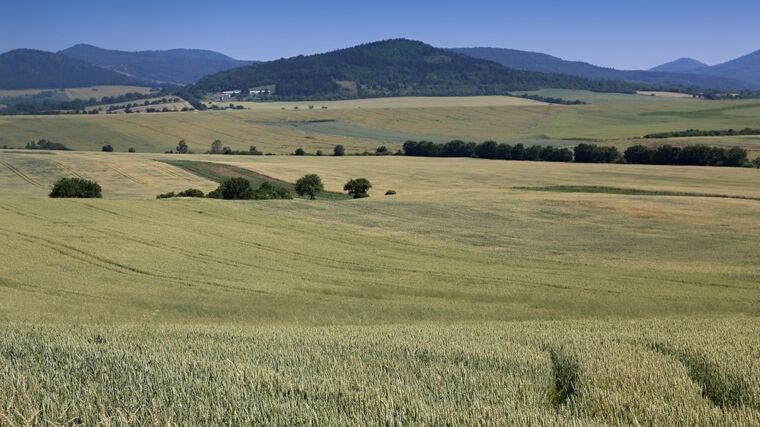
(80, 92)
(363, 125)
(472, 296)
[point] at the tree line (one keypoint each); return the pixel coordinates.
(697, 132)
(693, 155)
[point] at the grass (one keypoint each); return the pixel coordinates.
(460, 300)
(80, 93)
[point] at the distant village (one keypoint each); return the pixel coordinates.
(229, 94)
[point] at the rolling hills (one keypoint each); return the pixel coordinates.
(746, 68)
(532, 61)
(175, 66)
(36, 69)
(396, 67)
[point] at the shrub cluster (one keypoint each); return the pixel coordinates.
(358, 188)
(75, 188)
(697, 132)
(190, 192)
(241, 189)
(693, 155)
(592, 153)
(487, 150)
(44, 144)
(552, 100)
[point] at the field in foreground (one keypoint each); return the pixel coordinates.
(462, 299)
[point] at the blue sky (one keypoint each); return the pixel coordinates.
(617, 33)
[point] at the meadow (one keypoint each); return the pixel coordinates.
(363, 125)
(483, 292)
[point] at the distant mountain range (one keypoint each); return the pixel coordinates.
(28, 68)
(175, 66)
(681, 65)
(385, 68)
(391, 68)
(533, 61)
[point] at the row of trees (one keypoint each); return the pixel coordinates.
(45, 144)
(694, 155)
(697, 133)
(487, 150)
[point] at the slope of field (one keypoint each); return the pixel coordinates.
(460, 300)
(363, 125)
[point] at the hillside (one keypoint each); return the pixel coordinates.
(681, 65)
(746, 68)
(36, 69)
(176, 66)
(532, 61)
(390, 68)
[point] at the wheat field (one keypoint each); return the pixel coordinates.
(469, 297)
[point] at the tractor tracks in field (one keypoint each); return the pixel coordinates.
(20, 174)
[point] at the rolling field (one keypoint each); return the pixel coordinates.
(470, 297)
(363, 125)
(80, 92)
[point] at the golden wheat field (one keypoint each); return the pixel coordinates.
(479, 294)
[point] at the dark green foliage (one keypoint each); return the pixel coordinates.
(382, 151)
(487, 150)
(309, 185)
(75, 188)
(391, 68)
(697, 132)
(552, 100)
(182, 147)
(190, 192)
(300, 152)
(107, 148)
(390, 193)
(268, 191)
(339, 150)
(131, 150)
(358, 187)
(44, 144)
(216, 147)
(320, 153)
(235, 189)
(592, 153)
(35, 69)
(692, 155)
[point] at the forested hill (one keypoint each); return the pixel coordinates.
(397, 67)
(175, 66)
(36, 69)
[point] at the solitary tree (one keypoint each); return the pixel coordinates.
(216, 147)
(358, 187)
(107, 148)
(182, 147)
(310, 185)
(339, 150)
(75, 187)
(300, 152)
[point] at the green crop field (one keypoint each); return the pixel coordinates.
(483, 292)
(363, 125)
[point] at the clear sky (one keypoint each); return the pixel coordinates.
(618, 33)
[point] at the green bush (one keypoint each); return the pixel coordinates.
(339, 150)
(390, 193)
(300, 152)
(190, 192)
(75, 188)
(107, 148)
(131, 149)
(309, 185)
(235, 189)
(358, 187)
(268, 191)
(241, 189)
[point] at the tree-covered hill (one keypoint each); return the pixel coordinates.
(36, 69)
(397, 67)
(175, 66)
